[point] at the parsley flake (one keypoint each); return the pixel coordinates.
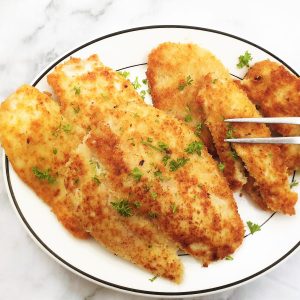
(173, 208)
(253, 227)
(198, 129)
(153, 195)
(234, 154)
(43, 175)
(96, 180)
(176, 164)
(125, 74)
(244, 60)
(158, 174)
(76, 90)
(194, 147)
(143, 94)
(136, 83)
(229, 131)
(229, 257)
(122, 207)
(153, 278)
(164, 147)
(137, 174)
(137, 204)
(67, 128)
(165, 159)
(188, 118)
(294, 183)
(76, 109)
(145, 81)
(54, 151)
(152, 215)
(221, 166)
(185, 83)
(215, 81)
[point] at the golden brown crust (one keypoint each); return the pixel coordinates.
(276, 92)
(224, 99)
(133, 238)
(81, 84)
(30, 132)
(169, 65)
(205, 223)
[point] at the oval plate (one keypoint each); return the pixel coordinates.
(279, 235)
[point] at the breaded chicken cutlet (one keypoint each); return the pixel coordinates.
(142, 159)
(222, 98)
(50, 155)
(276, 92)
(79, 85)
(161, 164)
(174, 73)
(37, 141)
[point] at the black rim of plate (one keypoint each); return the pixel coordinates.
(103, 282)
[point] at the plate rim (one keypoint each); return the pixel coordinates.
(83, 274)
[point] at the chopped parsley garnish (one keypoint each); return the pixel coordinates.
(161, 147)
(221, 166)
(173, 208)
(137, 204)
(76, 181)
(187, 82)
(95, 164)
(67, 128)
(176, 164)
(76, 90)
(143, 94)
(198, 129)
(229, 131)
(234, 154)
(153, 195)
(294, 183)
(122, 207)
(145, 81)
(54, 151)
(194, 147)
(215, 81)
(136, 83)
(253, 227)
(43, 175)
(125, 74)
(165, 159)
(153, 278)
(188, 118)
(229, 257)
(158, 174)
(96, 180)
(76, 109)
(152, 214)
(136, 174)
(164, 147)
(244, 60)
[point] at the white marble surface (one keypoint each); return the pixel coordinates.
(33, 33)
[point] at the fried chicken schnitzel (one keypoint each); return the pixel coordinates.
(37, 141)
(175, 72)
(161, 164)
(276, 92)
(224, 99)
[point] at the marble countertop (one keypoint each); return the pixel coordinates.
(33, 33)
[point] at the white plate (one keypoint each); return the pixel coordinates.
(279, 235)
